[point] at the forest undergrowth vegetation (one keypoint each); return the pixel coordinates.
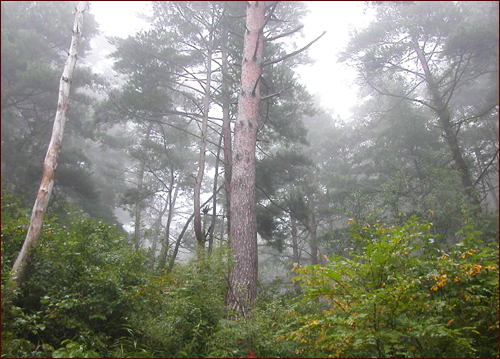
(399, 293)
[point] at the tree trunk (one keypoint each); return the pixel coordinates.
(312, 228)
(444, 116)
(138, 204)
(20, 267)
(242, 286)
(179, 238)
(313, 240)
(295, 242)
(226, 123)
(211, 229)
(171, 206)
(295, 249)
(200, 236)
(157, 230)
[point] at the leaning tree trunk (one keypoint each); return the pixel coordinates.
(20, 267)
(242, 286)
(450, 135)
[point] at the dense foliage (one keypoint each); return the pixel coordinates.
(399, 294)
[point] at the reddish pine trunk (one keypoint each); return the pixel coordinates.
(20, 267)
(242, 290)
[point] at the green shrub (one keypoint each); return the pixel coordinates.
(78, 286)
(262, 335)
(402, 296)
(175, 313)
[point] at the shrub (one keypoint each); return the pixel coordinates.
(79, 283)
(262, 335)
(176, 312)
(402, 296)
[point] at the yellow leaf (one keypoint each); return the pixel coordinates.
(449, 322)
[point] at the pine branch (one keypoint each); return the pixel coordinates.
(285, 34)
(295, 52)
(276, 93)
(484, 171)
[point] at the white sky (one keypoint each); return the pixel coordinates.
(332, 81)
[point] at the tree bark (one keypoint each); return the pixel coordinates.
(21, 264)
(242, 286)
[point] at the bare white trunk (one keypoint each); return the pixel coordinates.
(20, 267)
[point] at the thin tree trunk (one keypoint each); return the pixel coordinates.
(481, 180)
(179, 238)
(138, 209)
(211, 229)
(200, 236)
(313, 239)
(223, 225)
(157, 229)
(295, 249)
(138, 204)
(171, 207)
(492, 191)
(444, 116)
(21, 264)
(295, 243)
(242, 286)
(312, 228)
(226, 123)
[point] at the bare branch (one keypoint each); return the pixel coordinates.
(295, 52)
(276, 93)
(405, 97)
(484, 171)
(285, 34)
(479, 115)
